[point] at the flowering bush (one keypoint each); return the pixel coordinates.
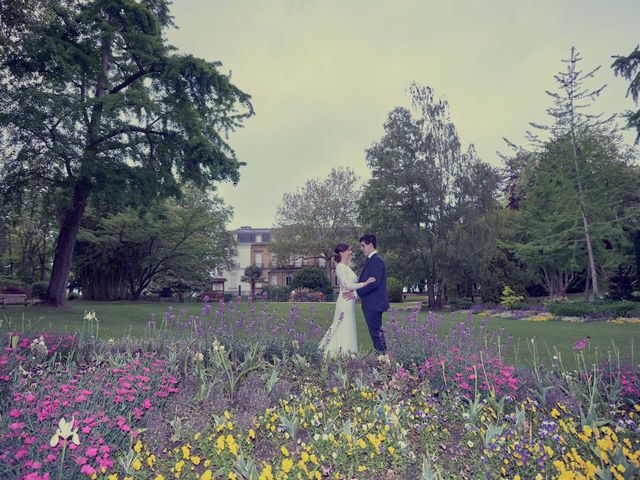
(306, 295)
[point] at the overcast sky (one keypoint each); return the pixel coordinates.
(324, 74)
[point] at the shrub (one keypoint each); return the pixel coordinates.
(394, 290)
(460, 303)
(228, 297)
(594, 310)
(39, 289)
(510, 298)
(312, 278)
(306, 295)
(277, 293)
(16, 289)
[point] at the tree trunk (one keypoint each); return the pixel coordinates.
(636, 245)
(66, 242)
(585, 220)
(431, 293)
(586, 287)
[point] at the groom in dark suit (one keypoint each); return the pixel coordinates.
(375, 300)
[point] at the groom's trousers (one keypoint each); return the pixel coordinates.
(374, 323)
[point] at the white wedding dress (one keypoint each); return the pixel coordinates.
(342, 337)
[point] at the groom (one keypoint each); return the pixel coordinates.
(375, 300)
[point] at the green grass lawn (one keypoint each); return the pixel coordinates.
(118, 319)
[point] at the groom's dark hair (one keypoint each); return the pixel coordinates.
(369, 239)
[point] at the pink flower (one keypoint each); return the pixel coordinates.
(581, 344)
(20, 454)
(16, 426)
(92, 452)
(88, 470)
(147, 403)
(15, 413)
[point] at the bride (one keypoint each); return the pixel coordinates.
(341, 336)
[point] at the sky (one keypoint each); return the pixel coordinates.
(324, 74)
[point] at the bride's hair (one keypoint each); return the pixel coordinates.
(341, 247)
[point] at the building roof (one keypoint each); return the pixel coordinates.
(248, 234)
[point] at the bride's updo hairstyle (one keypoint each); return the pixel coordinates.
(341, 247)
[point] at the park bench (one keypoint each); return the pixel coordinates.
(14, 299)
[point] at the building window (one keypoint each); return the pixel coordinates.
(298, 262)
(258, 261)
(259, 238)
(274, 279)
(287, 280)
(337, 283)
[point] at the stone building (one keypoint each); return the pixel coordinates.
(253, 249)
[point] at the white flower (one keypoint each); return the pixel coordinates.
(198, 357)
(65, 432)
(90, 316)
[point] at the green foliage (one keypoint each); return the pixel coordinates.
(252, 275)
(277, 293)
(96, 103)
(582, 309)
(460, 303)
(176, 243)
(509, 297)
(311, 221)
(629, 68)
(312, 278)
(39, 289)
(429, 202)
(394, 290)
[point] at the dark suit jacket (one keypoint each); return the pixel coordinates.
(374, 296)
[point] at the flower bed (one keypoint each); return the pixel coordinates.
(227, 395)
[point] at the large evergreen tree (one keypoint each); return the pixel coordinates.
(573, 123)
(97, 102)
(628, 67)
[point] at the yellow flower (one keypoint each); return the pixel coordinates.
(362, 468)
(362, 443)
(185, 452)
(151, 460)
(138, 446)
(232, 476)
(284, 451)
(179, 466)
(220, 443)
(252, 434)
(137, 464)
(196, 460)
(113, 476)
(392, 450)
(555, 413)
(206, 475)
(266, 473)
(159, 477)
(287, 465)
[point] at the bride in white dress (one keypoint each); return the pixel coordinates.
(342, 336)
